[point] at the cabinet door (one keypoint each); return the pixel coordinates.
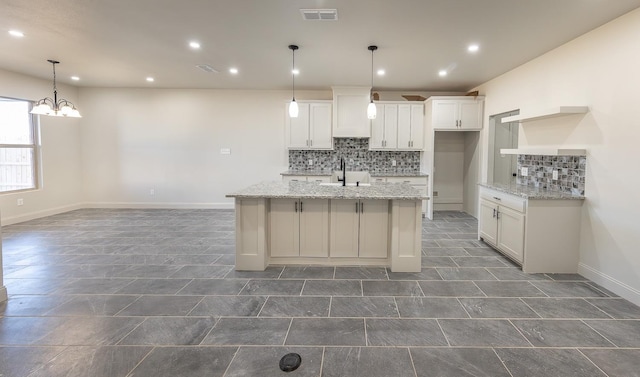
(350, 112)
(417, 127)
(284, 229)
(314, 228)
(294, 178)
(445, 114)
(404, 126)
(374, 228)
(344, 228)
(511, 233)
(470, 115)
(298, 128)
(320, 126)
(488, 222)
(377, 128)
(390, 126)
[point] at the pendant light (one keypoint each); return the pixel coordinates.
(54, 106)
(371, 109)
(293, 106)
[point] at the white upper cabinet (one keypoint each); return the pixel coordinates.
(350, 112)
(312, 128)
(398, 126)
(384, 129)
(456, 113)
(411, 127)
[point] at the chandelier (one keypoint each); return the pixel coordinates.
(54, 106)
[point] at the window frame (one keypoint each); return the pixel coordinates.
(34, 123)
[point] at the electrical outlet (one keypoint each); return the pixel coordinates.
(393, 162)
(435, 193)
(524, 172)
(20, 201)
(152, 192)
(310, 162)
(555, 175)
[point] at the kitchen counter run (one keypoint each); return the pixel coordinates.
(529, 192)
(328, 172)
(313, 190)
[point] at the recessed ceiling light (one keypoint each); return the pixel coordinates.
(442, 73)
(75, 78)
(381, 72)
(16, 33)
(295, 71)
(233, 71)
(473, 48)
(150, 79)
(194, 45)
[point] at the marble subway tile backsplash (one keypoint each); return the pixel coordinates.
(571, 172)
(358, 157)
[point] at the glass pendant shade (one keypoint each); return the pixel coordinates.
(371, 110)
(293, 109)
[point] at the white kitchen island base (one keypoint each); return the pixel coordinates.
(348, 228)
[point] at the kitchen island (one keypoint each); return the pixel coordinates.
(311, 223)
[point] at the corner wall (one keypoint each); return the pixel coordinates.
(599, 70)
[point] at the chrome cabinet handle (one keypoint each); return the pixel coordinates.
(296, 206)
(496, 198)
(356, 207)
(361, 207)
(301, 206)
(498, 214)
(494, 212)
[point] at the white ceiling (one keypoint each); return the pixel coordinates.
(118, 43)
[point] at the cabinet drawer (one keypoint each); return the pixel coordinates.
(319, 178)
(409, 180)
(294, 178)
(378, 179)
(516, 203)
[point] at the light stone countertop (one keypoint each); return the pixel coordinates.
(372, 173)
(530, 192)
(313, 190)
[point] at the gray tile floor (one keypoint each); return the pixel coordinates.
(154, 293)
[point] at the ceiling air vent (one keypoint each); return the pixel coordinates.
(319, 14)
(207, 68)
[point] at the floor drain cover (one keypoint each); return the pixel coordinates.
(290, 362)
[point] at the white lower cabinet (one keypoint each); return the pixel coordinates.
(299, 228)
(359, 228)
(503, 228)
(542, 235)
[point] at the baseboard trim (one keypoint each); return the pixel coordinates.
(159, 205)
(38, 214)
(137, 205)
(614, 285)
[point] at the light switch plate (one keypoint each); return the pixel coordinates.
(555, 175)
(310, 162)
(524, 172)
(225, 151)
(393, 162)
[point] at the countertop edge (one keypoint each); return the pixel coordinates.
(532, 193)
(373, 174)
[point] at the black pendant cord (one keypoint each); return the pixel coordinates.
(372, 49)
(55, 89)
(293, 49)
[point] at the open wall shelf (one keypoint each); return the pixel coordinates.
(550, 113)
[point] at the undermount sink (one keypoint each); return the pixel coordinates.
(352, 177)
(336, 184)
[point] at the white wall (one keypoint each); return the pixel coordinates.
(135, 140)
(60, 184)
(600, 70)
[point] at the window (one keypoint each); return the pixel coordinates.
(17, 146)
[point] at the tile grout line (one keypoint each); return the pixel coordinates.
(520, 332)
(529, 306)
(591, 361)
(231, 362)
(598, 332)
(443, 333)
(141, 361)
(415, 371)
(286, 335)
(502, 361)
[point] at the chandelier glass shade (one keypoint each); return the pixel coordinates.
(54, 106)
